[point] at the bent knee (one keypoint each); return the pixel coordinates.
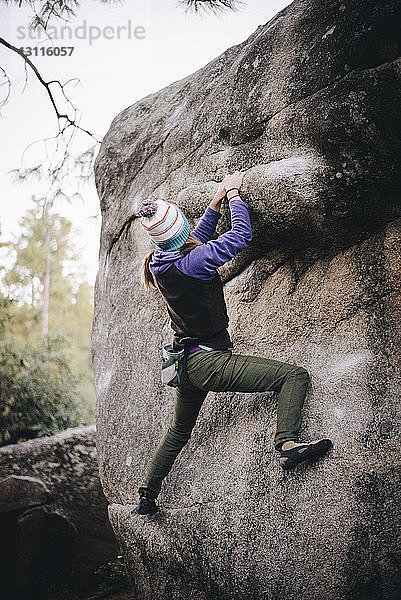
(300, 372)
(304, 373)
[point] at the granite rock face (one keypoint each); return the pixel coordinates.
(308, 108)
(53, 514)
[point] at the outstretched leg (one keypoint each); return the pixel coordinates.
(188, 401)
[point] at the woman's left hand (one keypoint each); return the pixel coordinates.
(218, 197)
(221, 192)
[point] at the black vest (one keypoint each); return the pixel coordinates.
(197, 309)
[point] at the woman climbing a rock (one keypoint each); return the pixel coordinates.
(183, 267)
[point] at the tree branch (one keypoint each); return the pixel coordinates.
(46, 84)
(7, 82)
(215, 6)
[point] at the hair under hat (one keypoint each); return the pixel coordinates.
(166, 225)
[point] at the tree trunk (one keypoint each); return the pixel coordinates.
(46, 289)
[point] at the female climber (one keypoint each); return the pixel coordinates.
(183, 267)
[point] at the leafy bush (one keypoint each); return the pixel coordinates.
(113, 574)
(39, 395)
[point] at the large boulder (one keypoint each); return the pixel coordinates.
(308, 108)
(54, 527)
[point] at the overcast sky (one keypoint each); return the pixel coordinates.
(114, 73)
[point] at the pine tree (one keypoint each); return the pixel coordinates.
(36, 281)
(46, 375)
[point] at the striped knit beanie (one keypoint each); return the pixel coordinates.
(166, 225)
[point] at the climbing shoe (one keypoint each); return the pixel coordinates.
(147, 505)
(292, 453)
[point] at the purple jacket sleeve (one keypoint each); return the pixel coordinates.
(207, 225)
(203, 260)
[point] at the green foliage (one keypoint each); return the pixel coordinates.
(5, 314)
(24, 280)
(112, 574)
(46, 374)
(107, 580)
(38, 392)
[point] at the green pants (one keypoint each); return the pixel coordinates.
(220, 371)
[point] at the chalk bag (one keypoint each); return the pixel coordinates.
(173, 366)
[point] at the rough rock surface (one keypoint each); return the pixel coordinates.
(308, 108)
(53, 513)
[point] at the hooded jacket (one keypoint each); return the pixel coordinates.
(191, 284)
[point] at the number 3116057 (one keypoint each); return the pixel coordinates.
(50, 51)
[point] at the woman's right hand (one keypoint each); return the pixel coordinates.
(233, 181)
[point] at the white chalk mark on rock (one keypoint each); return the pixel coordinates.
(104, 381)
(328, 32)
(350, 361)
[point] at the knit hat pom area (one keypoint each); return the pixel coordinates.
(148, 208)
(165, 223)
